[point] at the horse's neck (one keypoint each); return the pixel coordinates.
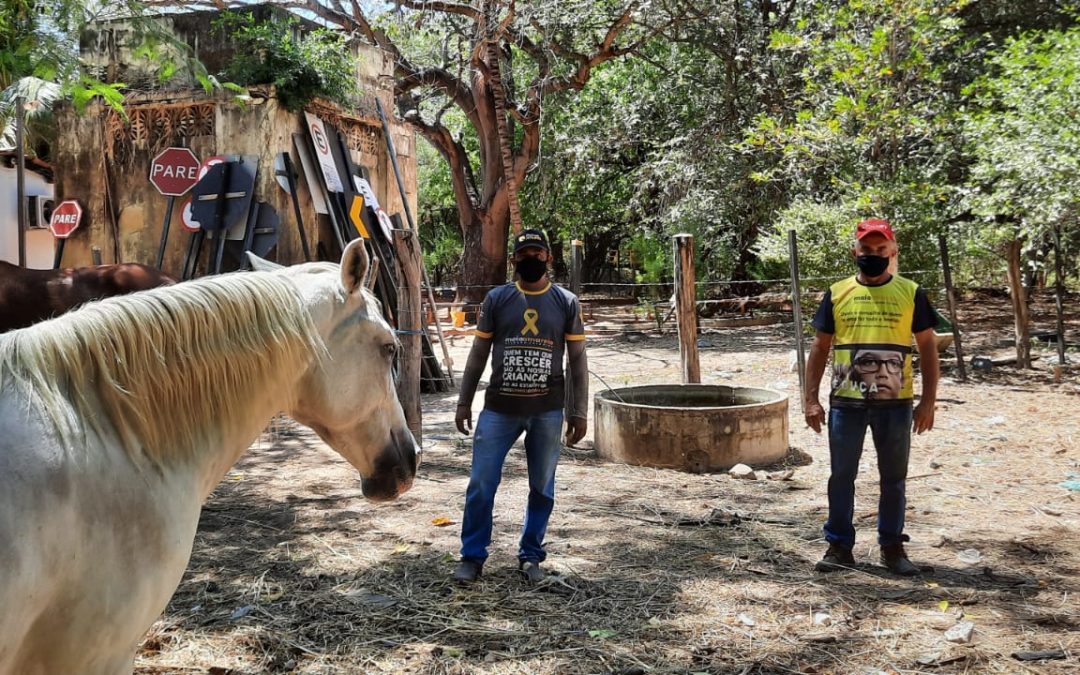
(212, 463)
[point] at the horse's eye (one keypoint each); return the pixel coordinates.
(390, 349)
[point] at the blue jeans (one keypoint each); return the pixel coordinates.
(891, 431)
(494, 434)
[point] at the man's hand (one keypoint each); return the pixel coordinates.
(463, 418)
(815, 368)
(575, 430)
(814, 414)
(923, 419)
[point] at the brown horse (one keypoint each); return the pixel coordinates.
(29, 296)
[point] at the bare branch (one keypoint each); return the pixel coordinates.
(441, 6)
(440, 78)
(456, 157)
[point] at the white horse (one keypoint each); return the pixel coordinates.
(117, 420)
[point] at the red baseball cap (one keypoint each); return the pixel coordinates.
(875, 226)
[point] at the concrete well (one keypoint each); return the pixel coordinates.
(695, 427)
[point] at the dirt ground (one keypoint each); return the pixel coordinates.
(654, 570)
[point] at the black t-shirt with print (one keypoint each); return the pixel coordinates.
(529, 330)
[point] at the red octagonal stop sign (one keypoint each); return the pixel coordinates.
(65, 219)
(174, 171)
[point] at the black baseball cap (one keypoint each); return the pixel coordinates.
(531, 238)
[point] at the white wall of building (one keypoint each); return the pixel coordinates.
(39, 243)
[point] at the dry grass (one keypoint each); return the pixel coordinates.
(652, 570)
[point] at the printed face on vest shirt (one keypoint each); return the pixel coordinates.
(878, 373)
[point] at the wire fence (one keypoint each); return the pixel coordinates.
(662, 290)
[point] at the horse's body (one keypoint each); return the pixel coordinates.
(28, 296)
(118, 420)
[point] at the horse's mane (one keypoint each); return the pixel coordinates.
(167, 367)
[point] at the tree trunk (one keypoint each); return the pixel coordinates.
(484, 256)
(1020, 308)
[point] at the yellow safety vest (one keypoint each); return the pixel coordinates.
(873, 340)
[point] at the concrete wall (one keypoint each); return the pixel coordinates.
(39, 243)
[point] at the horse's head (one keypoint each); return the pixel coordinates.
(348, 395)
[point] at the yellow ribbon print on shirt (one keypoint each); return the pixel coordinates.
(531, 317)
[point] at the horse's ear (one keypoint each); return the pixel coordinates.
(261, 265)
(354, 266)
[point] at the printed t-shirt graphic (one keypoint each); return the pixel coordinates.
(872, 328)
(529, 330)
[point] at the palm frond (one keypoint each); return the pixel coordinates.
(40, 96)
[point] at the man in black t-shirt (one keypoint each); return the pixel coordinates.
(525, 327)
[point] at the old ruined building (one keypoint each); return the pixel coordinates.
(103, 157)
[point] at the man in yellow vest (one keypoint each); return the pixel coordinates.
(869, 321)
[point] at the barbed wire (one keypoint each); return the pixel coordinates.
(665, 284)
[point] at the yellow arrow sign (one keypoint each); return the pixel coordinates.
(354, 215)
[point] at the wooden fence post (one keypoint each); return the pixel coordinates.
(950, 298)
(410, 327)
(577, 259)
(1019, 303)
(686, 304)
(796, 309)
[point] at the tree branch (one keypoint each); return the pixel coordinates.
(440, 6)
(442, 79)
(456, 157)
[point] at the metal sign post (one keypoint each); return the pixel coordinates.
(412, 226)
(173, 172)
(286, 178)
(796, 308)
(20, 175)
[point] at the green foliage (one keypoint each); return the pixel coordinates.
(654, 255)
(39, 46)
(440, 233)
(825, 233)
(40, 97)
(872, 130)
(650, 147)
(750, 118)
(89, 88)
(1023, 133)
(39, 61)
(300, 66)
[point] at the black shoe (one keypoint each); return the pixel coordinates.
(531, 570)
(895, 559)
(468, 571)
(838, 557)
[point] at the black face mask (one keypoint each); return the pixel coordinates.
(531, 269)
(872, 265)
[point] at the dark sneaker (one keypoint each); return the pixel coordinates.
(894, 558)
(531, 570)
(468, 571)
(838, 557)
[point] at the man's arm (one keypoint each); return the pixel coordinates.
(577, 423)
(815, 368)
(470, 379)
(931, 374)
